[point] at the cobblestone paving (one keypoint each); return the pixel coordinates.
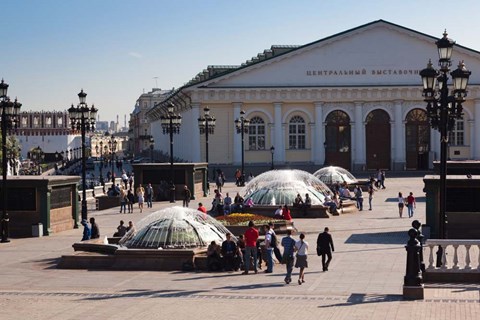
(364, 282)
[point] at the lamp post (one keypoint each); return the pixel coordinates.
(272, 151)
(152, 144)
(112, 144)
(83, 118)
(10, 121)
(206, 124)
(171, 123)
(242, 125)
(443, 108)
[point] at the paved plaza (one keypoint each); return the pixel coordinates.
(364, 280)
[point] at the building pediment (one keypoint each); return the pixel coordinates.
(376, 54)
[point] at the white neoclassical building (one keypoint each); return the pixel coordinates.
(353, 99)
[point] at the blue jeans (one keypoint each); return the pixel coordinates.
(123, 207)
(360, 203)
(289, 265)
(149, 201)
(269, 259)
(250, 252)
(410, 210)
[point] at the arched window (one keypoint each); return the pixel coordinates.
(296, 133)
(256, 134)
(457, 135)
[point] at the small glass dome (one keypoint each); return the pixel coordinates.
(331, 175)
(278, 187)
(175, 228)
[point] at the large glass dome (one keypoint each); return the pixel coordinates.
(278, 187)
(331, 175)
(175, 228)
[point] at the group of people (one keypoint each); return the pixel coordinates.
(225, 205)
(408, 202)
(247, 253)
(128, 198)
(90, 230)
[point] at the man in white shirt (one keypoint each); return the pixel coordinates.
(269, 248)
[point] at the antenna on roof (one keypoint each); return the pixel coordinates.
(156, 83)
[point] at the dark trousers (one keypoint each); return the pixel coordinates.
(277, 254)
(325, 264)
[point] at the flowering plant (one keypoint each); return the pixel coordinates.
(242, 219)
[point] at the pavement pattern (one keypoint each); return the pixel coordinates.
(364, 280)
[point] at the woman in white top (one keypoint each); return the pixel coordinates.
(401, 204)
(301, 247)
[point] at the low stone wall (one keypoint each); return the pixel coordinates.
(106, 202)
(317, 211)
(280, 228)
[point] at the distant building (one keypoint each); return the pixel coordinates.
(139, 127)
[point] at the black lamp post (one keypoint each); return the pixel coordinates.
(10, 121)
(242, 125)
(206, 124)
(83, 118)
(272, 151)
(152, 144)
(112, 144)
(171, 123)
(443, 108)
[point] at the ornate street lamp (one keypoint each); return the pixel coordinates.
(272, 151)
(10, 120)
(443, 108)
(242, 125)
(83, 118)
(152, 144)
(206, 124)
(171, 123)
(112, 145)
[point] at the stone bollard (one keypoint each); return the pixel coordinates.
(412, 282)
(416, 225)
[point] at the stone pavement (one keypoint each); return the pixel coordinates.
(364, 282)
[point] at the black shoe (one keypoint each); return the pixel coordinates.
(266, 271)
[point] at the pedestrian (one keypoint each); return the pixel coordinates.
(121, 230)
(125, 179)
(149, 195)
(401, 203)
(301, 246)
(288, 244)
(325, 247)
(411, 204)
(251, 237)
(130, 200)
(359, 197)
(187, 195)
(87, 231)
(219, 181)
(268, 248)
(382, 179)
(140, 197)
(95, 229)
(229, 251)
(274, 243)
(123, 201)
(227, 204)
(286, 214)
(370, 196)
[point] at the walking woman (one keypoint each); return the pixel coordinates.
(301, 247)
(401, 204)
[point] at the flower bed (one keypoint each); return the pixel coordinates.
(242, 219)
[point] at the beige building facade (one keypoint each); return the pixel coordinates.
(353, 99)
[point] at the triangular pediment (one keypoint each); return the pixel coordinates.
(379, 53)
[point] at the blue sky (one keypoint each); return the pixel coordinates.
(114, 49)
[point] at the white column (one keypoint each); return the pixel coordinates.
(237, 139)
(399, 155)
(319, 135)
(279, 155)
(359, 150)
(476, 141)
(471, 127)
(194, 146)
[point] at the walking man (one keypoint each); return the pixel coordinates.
(251, 237)
(411, 204)
(149, 195)
(187, 195)
(325, 247)
(288, 244)
(274, 243)
(269, 248)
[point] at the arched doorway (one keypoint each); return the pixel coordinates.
(417, 137)
(378, 142)
(338, 140)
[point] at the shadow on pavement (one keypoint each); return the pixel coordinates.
(49, 263)
(395, 237)
(145, 294)
(253, 286)
(360, 298)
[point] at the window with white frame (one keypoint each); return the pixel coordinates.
(256, 134)
(457, 135)
(296, 133)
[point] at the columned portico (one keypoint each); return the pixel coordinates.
(398, 137)
(279, 134)
(359, 158)
(319, 135)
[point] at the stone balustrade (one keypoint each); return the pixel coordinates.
(460, 260)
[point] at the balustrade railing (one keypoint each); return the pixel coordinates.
(457, 255)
